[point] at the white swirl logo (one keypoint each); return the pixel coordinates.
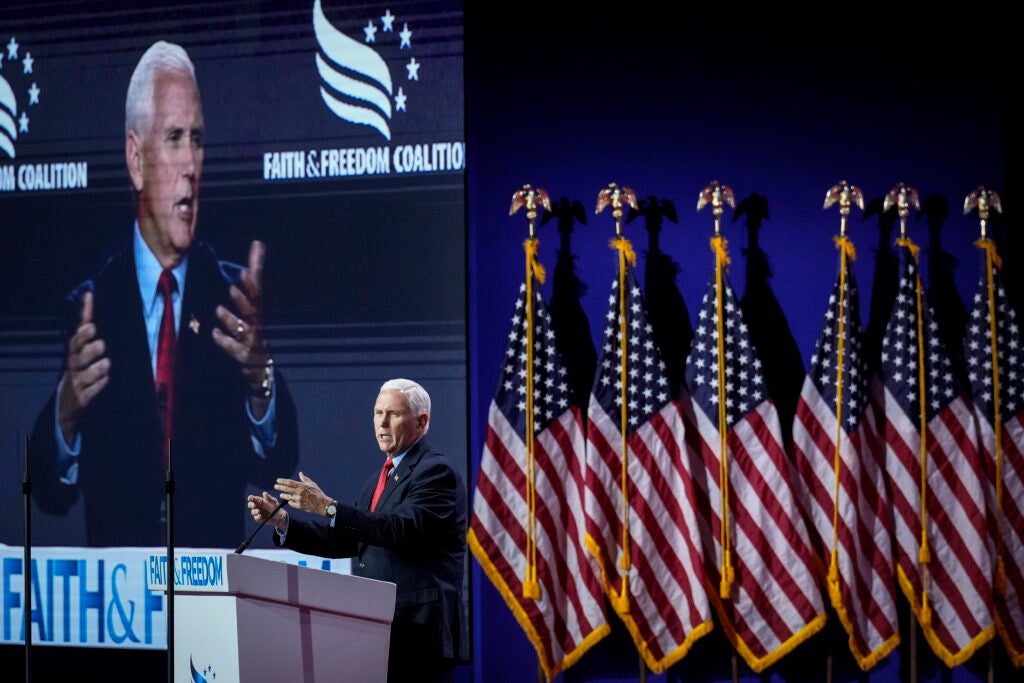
(356, 83)
(10, 122)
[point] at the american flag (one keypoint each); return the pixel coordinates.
(767, 599)
(642, 527)
(836, 427)
(527, 527)
(944, 548)
(1004, 457)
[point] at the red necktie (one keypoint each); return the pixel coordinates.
(166, 352)
(388, 464)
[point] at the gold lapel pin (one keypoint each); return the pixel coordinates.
(193, 325)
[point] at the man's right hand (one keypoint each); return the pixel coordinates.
(87, 373)
(260, 507)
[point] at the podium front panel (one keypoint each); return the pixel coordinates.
(242, 618)
(245, 639)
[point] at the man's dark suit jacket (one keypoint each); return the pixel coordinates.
(415, 539)
(121, 474)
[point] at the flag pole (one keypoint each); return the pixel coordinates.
(903, 198)
(982, 200)
(847, 196)
(614, 196)
(530, 198)
(716, 195)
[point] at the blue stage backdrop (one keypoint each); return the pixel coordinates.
(780, 105)
(392, 251)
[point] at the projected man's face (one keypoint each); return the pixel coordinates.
(166, 162)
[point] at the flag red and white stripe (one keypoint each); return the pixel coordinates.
(992, 363)
(944, 545)
(836, 429)
(642, 526)
(527, 525)
(759, 564)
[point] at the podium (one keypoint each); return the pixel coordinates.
(245, 618)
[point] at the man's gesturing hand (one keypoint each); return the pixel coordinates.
(304, 494)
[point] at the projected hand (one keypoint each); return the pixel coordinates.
(243, 339)
(86, 374)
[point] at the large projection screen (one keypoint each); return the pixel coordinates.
(333, 133)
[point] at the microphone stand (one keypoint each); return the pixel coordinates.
(26, 489)
(169, 490)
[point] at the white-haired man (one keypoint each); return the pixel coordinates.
(408, 526)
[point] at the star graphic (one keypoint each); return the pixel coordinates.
(406, 37)
(12, 49)
(413, 67)
(400, 100)
(388, 19)
(371, 32)
(28, 62)
(24, 123)
(33, 94)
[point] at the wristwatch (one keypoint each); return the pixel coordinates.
(332, 509)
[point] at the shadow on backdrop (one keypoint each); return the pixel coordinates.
(570, 323)
(666, 309)
(883, 283)
(942, 294)
(783, 365)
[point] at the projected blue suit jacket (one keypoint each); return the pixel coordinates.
(121, 475)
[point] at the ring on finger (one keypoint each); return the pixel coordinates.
(240, 330)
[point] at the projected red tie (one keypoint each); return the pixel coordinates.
(166, 352)
(388, 464)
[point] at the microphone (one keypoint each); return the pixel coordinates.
(245, 544)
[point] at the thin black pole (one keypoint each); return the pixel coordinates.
(26, 490)
(913, 647)
(169, 490)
